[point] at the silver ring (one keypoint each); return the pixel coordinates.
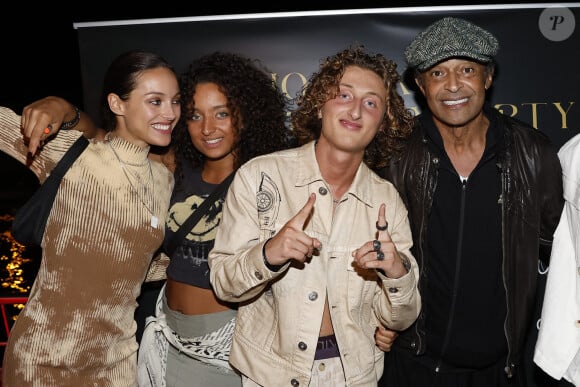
(380, 255)
(376, 245)
(381, 228)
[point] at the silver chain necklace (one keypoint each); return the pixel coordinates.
(154, 219)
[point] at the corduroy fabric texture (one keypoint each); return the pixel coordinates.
(78, 326)
(450, 37)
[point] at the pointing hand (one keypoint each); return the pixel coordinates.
(291, 242)
(380, 253)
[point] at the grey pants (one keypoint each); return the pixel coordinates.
(183, 370)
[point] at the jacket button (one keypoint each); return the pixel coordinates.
(393, 290)
(322, 191)
(413, 344)
(258, 275)
(302, 345)
(294, 382)
(313, 296)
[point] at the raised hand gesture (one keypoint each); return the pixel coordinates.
(380, 253)
(291, 242)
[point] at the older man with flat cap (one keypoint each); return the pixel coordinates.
(484, 195)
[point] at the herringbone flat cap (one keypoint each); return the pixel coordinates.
(450, 37)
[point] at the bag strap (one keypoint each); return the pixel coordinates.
(30, 219)
(196, 215)
(53, 181)
(69, 157)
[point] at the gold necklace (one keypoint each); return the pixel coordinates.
(154, 219)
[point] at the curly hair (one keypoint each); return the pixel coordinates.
(324, 86)
(256, 102)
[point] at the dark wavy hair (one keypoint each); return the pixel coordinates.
(253, 98)
(121, 78)
(324, 86)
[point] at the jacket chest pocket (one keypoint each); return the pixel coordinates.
(356, 283)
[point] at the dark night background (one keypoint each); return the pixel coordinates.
(40, 53)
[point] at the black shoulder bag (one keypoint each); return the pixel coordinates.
(30, 219)
(196, 215)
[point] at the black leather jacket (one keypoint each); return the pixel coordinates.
(532, 204)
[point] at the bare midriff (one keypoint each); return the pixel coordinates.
(326, 328)
(192, 300)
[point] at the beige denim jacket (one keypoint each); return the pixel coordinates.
(280, 313)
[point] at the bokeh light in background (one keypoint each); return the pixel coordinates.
(18, 267)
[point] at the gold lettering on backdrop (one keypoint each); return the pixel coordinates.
(415, 110)
(534, 106)
(513, 109)
(287, 83)
(564, 113)
(404, 89)
(292, 83)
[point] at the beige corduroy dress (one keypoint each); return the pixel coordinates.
(77, 328)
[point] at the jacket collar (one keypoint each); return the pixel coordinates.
(307, 172)
(493, 135)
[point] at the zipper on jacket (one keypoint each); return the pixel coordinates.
(425, 192)
(457, 267)
(508, 369)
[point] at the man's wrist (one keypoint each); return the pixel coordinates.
(406, 263)
(270, 267)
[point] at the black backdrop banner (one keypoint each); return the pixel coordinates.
(537, 78)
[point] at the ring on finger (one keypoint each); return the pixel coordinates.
(380, 255)
(381, 228)
(376, 245)
(48, 129)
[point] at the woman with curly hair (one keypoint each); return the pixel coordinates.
(314, 245)
(232, 112)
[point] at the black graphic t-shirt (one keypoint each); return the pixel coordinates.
(189, 262)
